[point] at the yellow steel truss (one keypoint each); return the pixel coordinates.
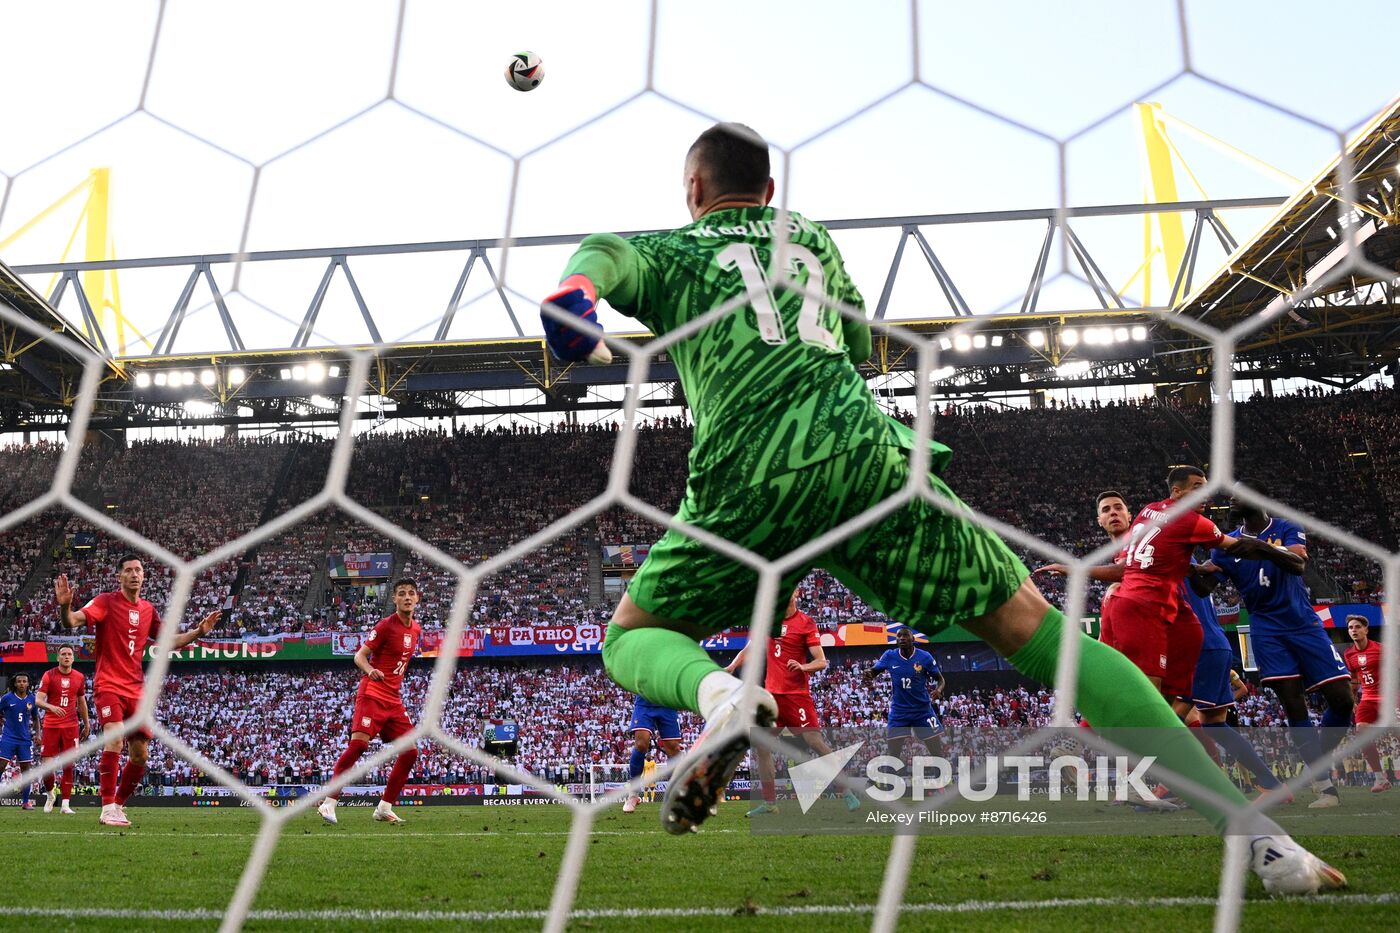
(94, 222)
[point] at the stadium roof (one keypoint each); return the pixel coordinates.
(1344, 329)
(1346, 323)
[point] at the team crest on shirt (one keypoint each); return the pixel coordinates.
(918, 668)
(106, 711)
(133, 616)
(407, 640)
(1164, 662)
(784, 631)
(65, 683)
(1360, 659)
(364, 720)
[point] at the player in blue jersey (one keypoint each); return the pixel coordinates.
(19, 717)
(650, 722)
(1216, 686)
(1294, 654)
(915, 682)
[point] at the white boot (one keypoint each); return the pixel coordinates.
(327, 810)
(384, 813)
(1287, 868)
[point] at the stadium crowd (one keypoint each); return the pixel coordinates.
(288, 726)
(473, 494)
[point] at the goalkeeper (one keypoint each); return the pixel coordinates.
(789, 443)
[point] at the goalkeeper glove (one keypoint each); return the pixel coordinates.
(577, 296)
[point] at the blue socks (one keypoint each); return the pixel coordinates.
(1242, 751)
(1334, 729)
(1305, 738)
(637, 764)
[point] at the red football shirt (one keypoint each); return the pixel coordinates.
(1365, 667)
(798, 634)
(391, 647)
(63, 690)
(1158, 558)
(122, 628)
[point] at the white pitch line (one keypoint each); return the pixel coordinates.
(643, 913)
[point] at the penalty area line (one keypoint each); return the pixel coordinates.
(642, 913)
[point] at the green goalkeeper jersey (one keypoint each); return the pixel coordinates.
(773, 385)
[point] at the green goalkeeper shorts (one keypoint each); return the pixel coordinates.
(921, 565)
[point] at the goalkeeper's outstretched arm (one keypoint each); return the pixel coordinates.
(604, 266)
(615, 268)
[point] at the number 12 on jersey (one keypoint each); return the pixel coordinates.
(744, 258)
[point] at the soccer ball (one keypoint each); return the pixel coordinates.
(525, 71)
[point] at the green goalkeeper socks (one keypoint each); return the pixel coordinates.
(662, 666)
(1122, 704)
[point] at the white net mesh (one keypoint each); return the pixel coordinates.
(618, 493)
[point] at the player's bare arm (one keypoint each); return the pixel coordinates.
(1104, 573)
(818, 662)
(63, 595)
(1289, 559)
(734, 665)
(205, 626)
(85, 716)
(1203, 582)
(935, 691)
(41, 701)
(362, 662)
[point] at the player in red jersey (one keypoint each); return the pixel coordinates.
(1363, 659)
(63, 698)
(383, 657)
(793, 654)
(123, 623)
(1151, 622)
(1185, 634)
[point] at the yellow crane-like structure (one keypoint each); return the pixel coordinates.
(100, 286)
(1164, 234)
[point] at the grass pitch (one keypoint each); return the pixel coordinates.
(452, 868)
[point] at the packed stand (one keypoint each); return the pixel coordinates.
(289, 726)
(189, 497)
(474, 494)
(1333, 455)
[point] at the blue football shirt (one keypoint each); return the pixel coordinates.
(18, 715)
(911, 677)
(1277, 601)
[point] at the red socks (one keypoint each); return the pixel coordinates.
(347, 759)
(107, 776)
(131, 776)
(1198, 730)
(66, 789)
(399, 776)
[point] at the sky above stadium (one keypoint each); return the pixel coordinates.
(288, 125)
